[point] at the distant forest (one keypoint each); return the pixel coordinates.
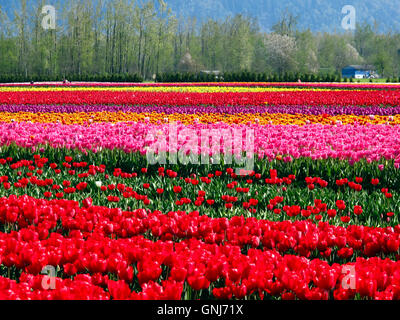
(146, 38)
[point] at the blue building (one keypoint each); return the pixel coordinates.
(359, 72)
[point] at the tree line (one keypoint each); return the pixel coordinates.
(124, 39)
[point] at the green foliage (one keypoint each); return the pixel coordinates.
(371, 198)
(73, 77)
(107, 40)
(246, 76)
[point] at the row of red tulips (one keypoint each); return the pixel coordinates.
(370, 98)
(37, 218)
(140, 268)
(220, 193)
(258, 275)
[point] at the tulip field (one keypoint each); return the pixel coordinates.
(85, 215)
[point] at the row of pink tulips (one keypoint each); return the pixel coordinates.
(350, 142)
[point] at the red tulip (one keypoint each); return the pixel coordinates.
(87, 202)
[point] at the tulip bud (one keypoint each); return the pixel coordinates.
(87, 202)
